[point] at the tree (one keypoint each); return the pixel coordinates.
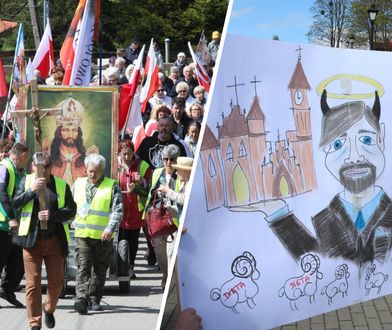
(180, 21)
(330, 22)
(359, 24)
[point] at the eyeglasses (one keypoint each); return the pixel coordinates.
(183, 91)
(172, 160)
(160, 90)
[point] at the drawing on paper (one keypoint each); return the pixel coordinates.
(242, 287)
(304, 284)
(338, 285)
(242, 166)
(374, 280)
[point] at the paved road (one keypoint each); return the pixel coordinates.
(137, 310)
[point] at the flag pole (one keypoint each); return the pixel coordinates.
(100, 44)
(5, 114)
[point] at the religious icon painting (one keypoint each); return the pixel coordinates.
(83, 120)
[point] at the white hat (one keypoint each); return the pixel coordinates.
(183, 163)
(181, 54)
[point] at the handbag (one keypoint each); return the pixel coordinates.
(159, 220)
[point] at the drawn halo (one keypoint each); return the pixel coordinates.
(355, 77)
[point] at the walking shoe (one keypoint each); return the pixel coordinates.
(11, 298)
(151, 259)
(81, 305)
(132, 272)
(95, 307)
(50, 322)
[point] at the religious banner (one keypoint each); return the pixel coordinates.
(290, 213)
(86, 123)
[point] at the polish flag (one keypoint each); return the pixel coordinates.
(135, 121)
(44, 57)
(127, 92)
(67, 52)
(201, 73)
(152, 81)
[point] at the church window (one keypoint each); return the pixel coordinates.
(229, 152)
(211, 167)
(242, 150)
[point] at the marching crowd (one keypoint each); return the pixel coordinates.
(38, 210)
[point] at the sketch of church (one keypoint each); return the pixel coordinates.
(242, 167)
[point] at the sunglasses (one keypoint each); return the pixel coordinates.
(172, 160)
(183, 91)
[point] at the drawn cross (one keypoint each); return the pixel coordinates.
(36, 115)
(235, 88)
(299, 52)
(254, 81)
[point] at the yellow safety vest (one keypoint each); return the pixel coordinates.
(91, 220)
(155, 177)
(143, 167)
(27, 209)
(11, 185)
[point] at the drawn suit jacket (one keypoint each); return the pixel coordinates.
(336, 234)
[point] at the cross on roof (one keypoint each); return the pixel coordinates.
(235, 87)
(299, 52)
(254, 81)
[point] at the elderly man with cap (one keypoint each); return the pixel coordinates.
(181, 62)
(100, 210)
(50, 245)
(213, 46)
(67, 148)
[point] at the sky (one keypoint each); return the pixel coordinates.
(289, 19)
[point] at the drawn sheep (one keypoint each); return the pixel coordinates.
(242, 287)
(374, 280)
(305, 284)
(340, 284)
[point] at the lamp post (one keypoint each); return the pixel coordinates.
(372, 12)
(167, 50)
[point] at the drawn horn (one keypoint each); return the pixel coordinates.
(324, 104)
(376, 106)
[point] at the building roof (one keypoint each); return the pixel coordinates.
(298, 79)
(255, 112)
(234, 125)
(209, 140)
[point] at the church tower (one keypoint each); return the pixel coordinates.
(257, 142)
(302, 140)
(211, 165)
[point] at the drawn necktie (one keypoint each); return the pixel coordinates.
(360, 221)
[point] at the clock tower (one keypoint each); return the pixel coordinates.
(299, 87)
(301, 138)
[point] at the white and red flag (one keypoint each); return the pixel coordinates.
(201, 74)
(152, 81)
(44, 57)
(127, 93)
(135, 121)
(67, 52)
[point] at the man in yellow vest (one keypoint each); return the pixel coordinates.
(100, 211)
(11, 260)
(51, 244)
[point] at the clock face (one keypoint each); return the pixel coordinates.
(298, 97)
